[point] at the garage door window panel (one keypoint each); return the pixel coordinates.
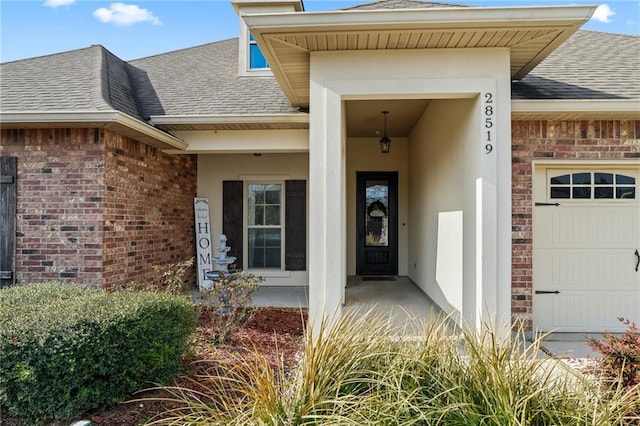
(592, 185)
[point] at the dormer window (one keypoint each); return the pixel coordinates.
(257, 60)
(251, 60)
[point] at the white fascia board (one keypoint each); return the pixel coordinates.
(424, 18)
(103, 117)
(229, 119)
(57, 117)
(577, 106)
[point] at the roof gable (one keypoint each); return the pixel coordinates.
(90, 79)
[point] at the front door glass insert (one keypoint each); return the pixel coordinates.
(376, 213)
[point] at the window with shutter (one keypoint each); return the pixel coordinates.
(276, 219)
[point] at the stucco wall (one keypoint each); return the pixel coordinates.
(213, 169)
(338, 77)
(442, 174)
(562, 141)
(363, 155)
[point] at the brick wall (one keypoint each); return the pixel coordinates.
(148, 211)
(97, 208)
(532, 140)
(59, 203)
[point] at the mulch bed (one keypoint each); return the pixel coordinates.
(277, 334)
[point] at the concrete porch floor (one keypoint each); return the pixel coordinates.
(399, 297)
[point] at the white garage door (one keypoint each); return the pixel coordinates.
(586, 243)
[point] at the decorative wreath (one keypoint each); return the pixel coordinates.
(376, 206)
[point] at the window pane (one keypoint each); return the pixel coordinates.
(581, 178)
(264, 248)
(603, 192)
(625, 180)
(256, 217)
(259, 237)
(272, 215)
(560, 192)
(560, 180)
(581, 192)
(256, 257)
(256, 250)
(272, 258)
(273, 196)
(603, 179)
(272, 238)
(256, 58)
(626, 192)
(259, 190)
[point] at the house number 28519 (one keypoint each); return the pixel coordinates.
(487, 116)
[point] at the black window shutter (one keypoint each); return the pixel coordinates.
(232, 217)
(8, 175)
(295, 257)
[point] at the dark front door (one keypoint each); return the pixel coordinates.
(377, 223)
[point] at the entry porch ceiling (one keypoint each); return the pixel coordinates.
(530, 33)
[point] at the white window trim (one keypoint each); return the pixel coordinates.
(265, 272)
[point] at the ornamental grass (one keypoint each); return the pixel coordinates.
(365, 370)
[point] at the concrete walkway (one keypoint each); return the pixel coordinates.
(570, 345)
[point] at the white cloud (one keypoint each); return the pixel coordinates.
(603, 13)
(58, 3)
(125, 14)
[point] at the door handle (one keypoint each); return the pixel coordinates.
(638, 260)
(547, 292)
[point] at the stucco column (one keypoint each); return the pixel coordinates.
(327, 210)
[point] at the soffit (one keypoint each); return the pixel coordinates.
(530, 33)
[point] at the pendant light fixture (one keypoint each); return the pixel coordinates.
(385, 142)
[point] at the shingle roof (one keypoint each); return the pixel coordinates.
(204, 80)
(590, 65)
(90, 79)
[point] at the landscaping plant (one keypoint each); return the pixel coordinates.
(365, 370)
(620, 360)
(65, 348)
(227, 303)
(170, 279)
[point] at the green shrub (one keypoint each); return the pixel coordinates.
(65, 348)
